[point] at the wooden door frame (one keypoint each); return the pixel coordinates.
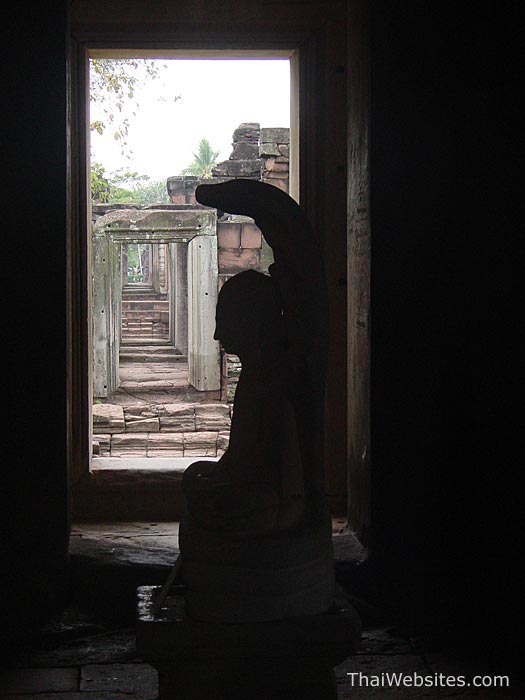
(319, 47)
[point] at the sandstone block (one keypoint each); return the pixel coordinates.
(108, 418)
(247, 131)
(269, 149)
(251, 236)
(238, 168)
(284, 150)
(143, 425)
(104, 445)
(275, 135)
(177, 417)
(165, 445)
(202, 444)
(145, 415)
(244, 150)
(129, 445)
(271, 174)
(280, 183)
(234, 260)
(223, 440)
(215, 416)
(228, 234)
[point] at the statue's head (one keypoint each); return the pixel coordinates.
(249, 314)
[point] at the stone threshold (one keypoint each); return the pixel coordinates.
(149, 473)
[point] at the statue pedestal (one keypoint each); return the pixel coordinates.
(290, 659)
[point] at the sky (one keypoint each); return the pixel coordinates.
(215, 97)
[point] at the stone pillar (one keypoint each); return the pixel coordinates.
(179, 295)
(203, 350)
(107, 292)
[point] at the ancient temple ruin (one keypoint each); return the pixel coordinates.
(162, 386)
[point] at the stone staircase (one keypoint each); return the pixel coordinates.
(143, 351)
(161, 430)
(145, 314)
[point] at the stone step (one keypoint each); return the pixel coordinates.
(139, 304)
(141, 356)
(147, 316)
(147, 335)
(156, 430)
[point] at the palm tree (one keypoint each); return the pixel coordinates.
(204, 160)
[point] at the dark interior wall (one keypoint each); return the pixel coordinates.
(441, 529)
(444, 512)
(34, 280)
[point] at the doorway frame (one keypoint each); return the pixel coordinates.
(317, 52)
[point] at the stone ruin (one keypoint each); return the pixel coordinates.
(178, 428)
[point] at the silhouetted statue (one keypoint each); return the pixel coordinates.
(257, 542)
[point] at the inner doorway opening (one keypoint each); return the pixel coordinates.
(155, 397)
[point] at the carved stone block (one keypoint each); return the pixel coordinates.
(201, 444)
(165, 445)
(251, 236)
(223, 440)
(215, 416)
(234, 260)
(177, 417)
(108, 418)
(129, 445)
(103, 443)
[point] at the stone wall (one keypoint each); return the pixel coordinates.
(165, 430)
(258, 154)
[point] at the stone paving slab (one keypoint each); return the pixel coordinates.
(135, 680)
(116, 646)
(38, 680)
(108, 418)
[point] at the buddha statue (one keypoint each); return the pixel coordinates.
(256, 543)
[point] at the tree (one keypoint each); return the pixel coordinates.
(125, 187)
(204, 160)
(112, 84)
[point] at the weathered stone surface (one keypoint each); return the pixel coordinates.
(234, 260)
(223, 440)
(251, 236)
(108, 418)
(234, 365)
(275, 135)
(201, 444)
(143, 425)
(229, 234)
(238, 168)
(281, 183)
(165, 445)
(247, 131)
(129, 445)
(214, 416)
(135, 680)
(274, 164)
(277, 174)
(38, 680)
(104, 445)
(177, 417)
(269, 149)
(244, 150)
(284, 150)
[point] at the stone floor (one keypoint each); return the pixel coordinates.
(89, 653)
(157, 382)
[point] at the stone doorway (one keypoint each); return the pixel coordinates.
(156, 367)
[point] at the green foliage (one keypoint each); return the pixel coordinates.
(99, 183)
(125, 187)
(204, 160)
(112, 83)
